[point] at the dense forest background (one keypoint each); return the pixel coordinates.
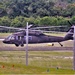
(38, 12)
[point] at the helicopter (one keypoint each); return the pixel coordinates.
(35, 36)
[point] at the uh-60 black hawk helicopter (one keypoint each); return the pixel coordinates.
(35, 36)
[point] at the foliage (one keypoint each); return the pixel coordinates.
(48, 21)
(42, 8)
(20, 21)
(5, 21)
(38, 12)
(73, 20)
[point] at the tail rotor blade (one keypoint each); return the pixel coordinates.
(70, 23)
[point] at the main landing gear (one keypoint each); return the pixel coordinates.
(59, 43)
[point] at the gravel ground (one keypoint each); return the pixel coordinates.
(35, 48)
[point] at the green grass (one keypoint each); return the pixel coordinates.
(22, 69)
(19, 69)
(38, 62)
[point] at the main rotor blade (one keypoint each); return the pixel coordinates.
(48, 27)
(29, 26)
(35, 29)
(12, 28)
(70, 23)
(44, 31)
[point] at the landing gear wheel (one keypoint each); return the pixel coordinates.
(52, 44)
(22, 45)
(16, 45)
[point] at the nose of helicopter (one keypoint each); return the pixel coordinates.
(4, 41)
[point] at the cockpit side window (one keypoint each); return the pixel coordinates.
(10, 37)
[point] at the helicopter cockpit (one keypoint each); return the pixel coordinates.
(8, 39)
(11, 37)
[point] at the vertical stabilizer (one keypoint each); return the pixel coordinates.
(69, 35)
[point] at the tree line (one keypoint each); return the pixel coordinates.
(34, 8)
(16, 13)
(20, 21)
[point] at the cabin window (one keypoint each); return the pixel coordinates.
(19, 37)
(16, 37)
(23, 37)
(29, 38)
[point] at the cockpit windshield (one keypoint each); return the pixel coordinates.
(11, 37)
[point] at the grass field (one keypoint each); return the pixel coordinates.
(39, 62)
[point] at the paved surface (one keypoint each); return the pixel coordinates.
(37, 48)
